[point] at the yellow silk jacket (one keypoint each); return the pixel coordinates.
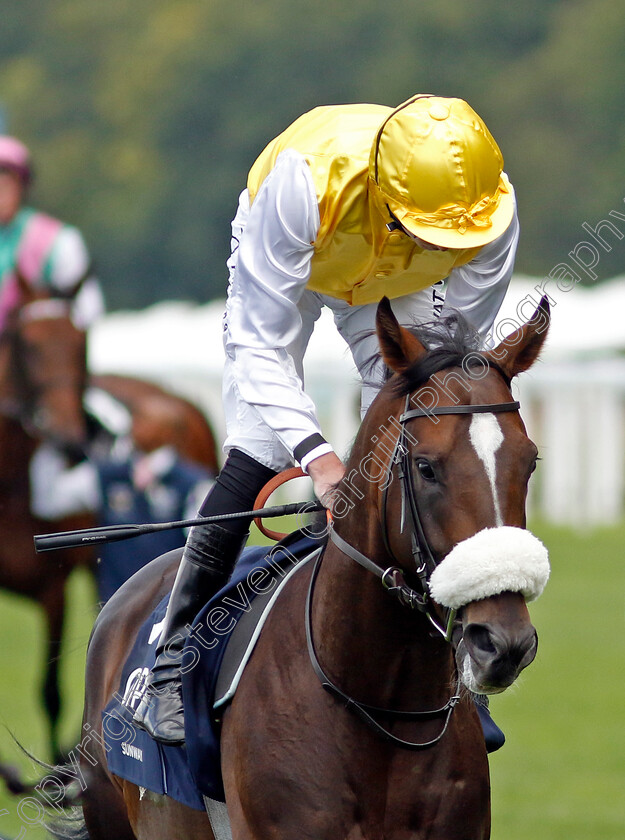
(356, 258)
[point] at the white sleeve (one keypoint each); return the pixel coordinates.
(88, 304)
(69, 260)
(58, 490)
(269, 272)
(478, 288)
(69, 264)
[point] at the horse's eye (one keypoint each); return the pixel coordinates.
(534, 465)
(426, 471)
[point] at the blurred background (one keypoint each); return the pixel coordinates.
(143, 119)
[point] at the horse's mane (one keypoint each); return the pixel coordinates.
(449, 340)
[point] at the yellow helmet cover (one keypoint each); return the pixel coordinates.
(438, 169)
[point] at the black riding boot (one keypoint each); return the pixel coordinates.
(207, 562)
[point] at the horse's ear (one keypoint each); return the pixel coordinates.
(519, 351)
(400, 348)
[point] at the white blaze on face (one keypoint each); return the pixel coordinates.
(486, 437)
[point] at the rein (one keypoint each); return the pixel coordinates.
(363, 710)
(392, 578)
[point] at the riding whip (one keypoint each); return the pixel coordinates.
(113, 533)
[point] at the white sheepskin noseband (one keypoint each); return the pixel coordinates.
(492, 561)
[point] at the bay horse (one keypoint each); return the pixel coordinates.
(43, 377)
(354, 716)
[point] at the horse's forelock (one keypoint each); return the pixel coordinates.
(451, 342)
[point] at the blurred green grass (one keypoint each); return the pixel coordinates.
(21, 673)
(561, 774)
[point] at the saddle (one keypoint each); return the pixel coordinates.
(220, 644)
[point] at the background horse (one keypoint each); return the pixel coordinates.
(433, 502)
(43, 376)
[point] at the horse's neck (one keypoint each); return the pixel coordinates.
(9, 397)
(16, 449)
(7, 384)
(16, 446)
(377, 650)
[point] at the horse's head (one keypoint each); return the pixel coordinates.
(46, 368)
(454, 464)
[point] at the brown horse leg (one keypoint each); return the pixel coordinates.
(103, 807)
(156, 817)
(53, 603)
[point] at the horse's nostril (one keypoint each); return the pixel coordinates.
(528, 649)
(479, 641)
(497, 658)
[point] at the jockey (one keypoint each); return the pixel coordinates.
(46, 254)
(351, 203)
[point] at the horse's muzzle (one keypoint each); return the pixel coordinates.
(498, 642)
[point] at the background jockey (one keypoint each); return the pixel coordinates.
(45, 253)
(351, 203)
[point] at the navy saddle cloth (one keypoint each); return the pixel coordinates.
(187, 772)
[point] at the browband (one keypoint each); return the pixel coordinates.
(495, 408)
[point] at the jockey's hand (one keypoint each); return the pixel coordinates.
(326, 472)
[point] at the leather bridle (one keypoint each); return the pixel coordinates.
(392, 577)
(423, 558)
